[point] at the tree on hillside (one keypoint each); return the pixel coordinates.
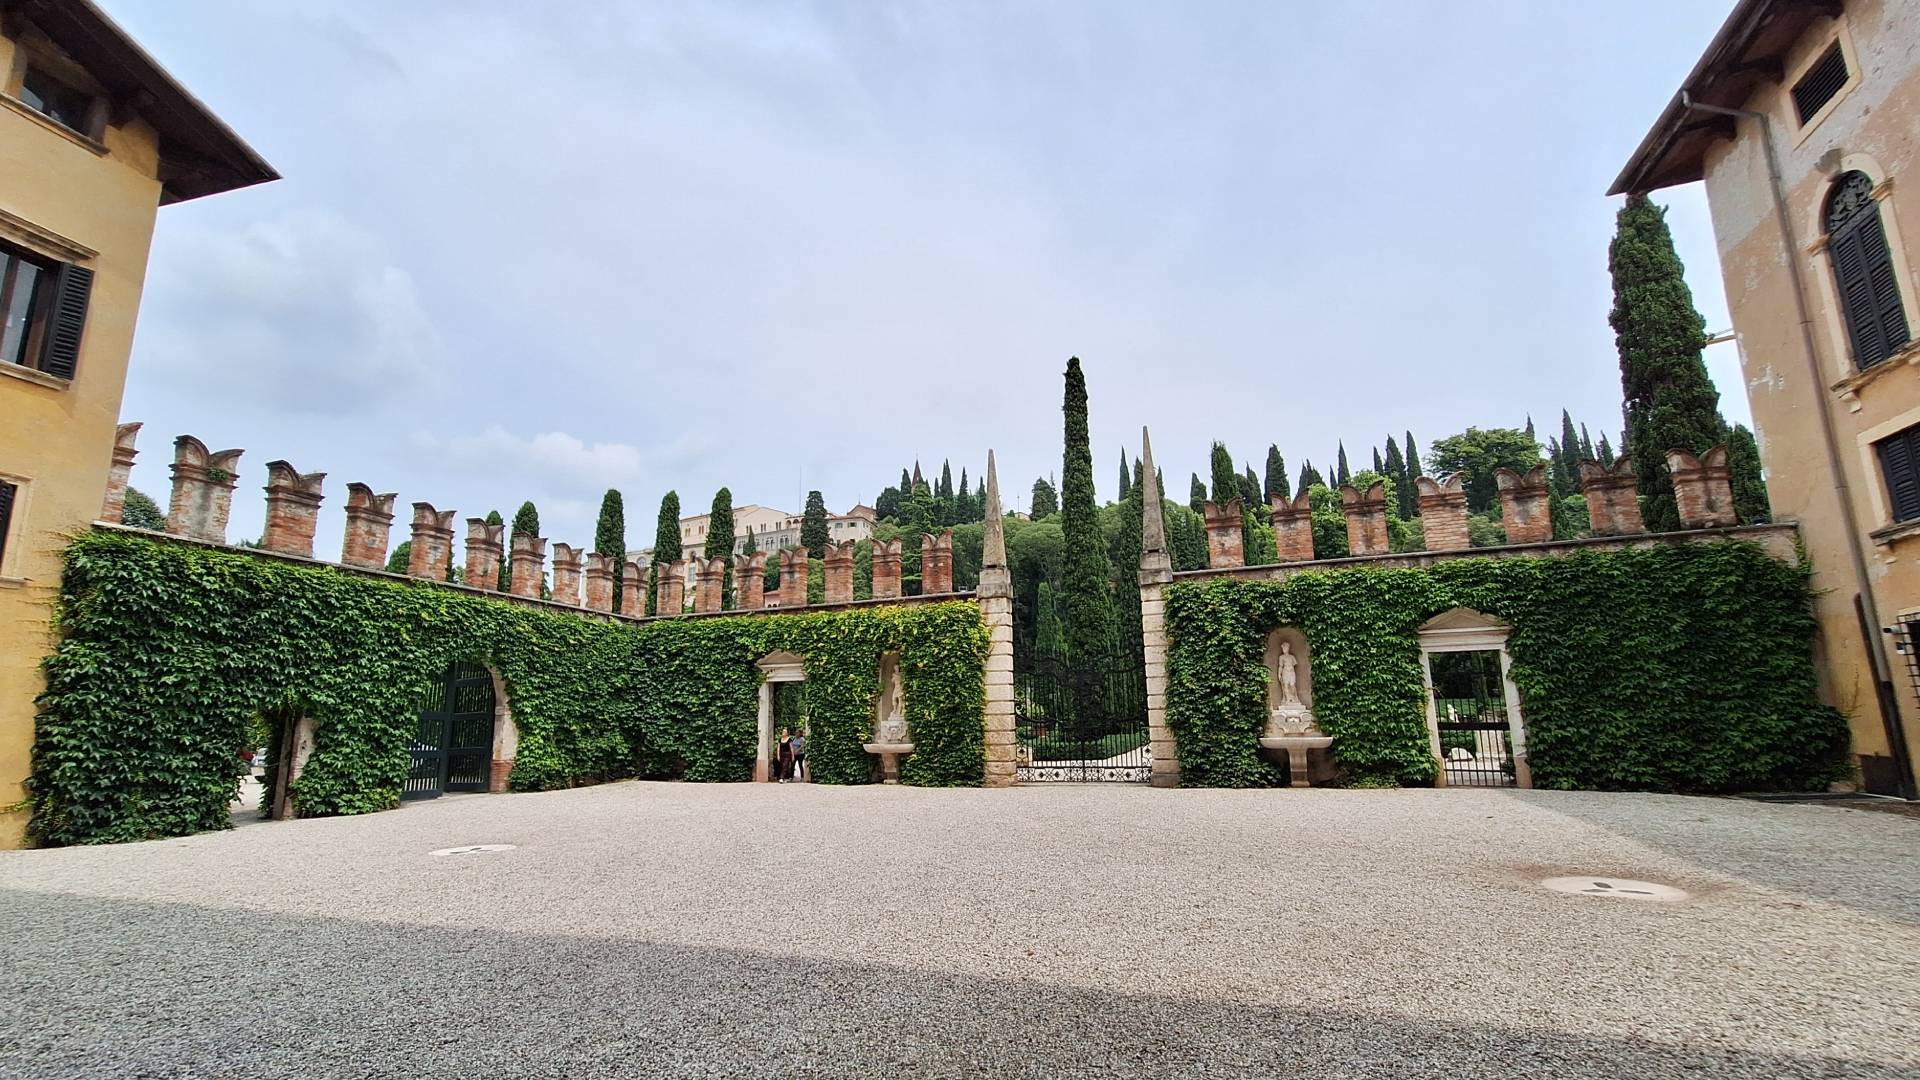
(1476, 454)
(906, 481)
(946, 480)
(1670, 400)
(139, 511)
(666, 544)
(1412, 450)
(886, 505)
(1309, 476)
(720, 540)
(1586, 445)
(1091, 632)
(1249, 489)
(1604, 455)
(964, 510)
(1226, 482)
(1529, 429)
(610, 538)
(1276, 487)
(1342, 474)
(1379, 467)
(1197, 495)
(1126, 478)
(1045, 501)
(814, 533)
(1396, 469)
(526, 522)
(1749, 486)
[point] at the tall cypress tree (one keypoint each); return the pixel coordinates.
(1530, 426)
(1379, 466)
(526, 522)
(1586, 445)
(610, 537)
(1045, 500)
(666, 544)
(1403, 492)
(813, 525)
(946, 480)
(1749, 487)
(1309, 476)
(720, 540)
(1342, 474)
(1604, 455)
(1413, 457)
(963, 502)
(906, 483)
(1670, 400)
(1091, 632)
(494, 518)
(1197, 495)
(1276, 475)
(1126, 477)
(1249, 489)
(1226, 482)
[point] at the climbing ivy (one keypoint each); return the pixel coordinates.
(1674, 668)
(169, 651)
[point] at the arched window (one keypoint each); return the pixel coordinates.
(1863, 271)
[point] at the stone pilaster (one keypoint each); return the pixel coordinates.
(838, 569)
(598, 576)
(431, 547)
(793, 578)
(710, 577)
(293, 507)
(1366, 513)
(1526, 505)
(1226, 538)
(936, 564)
(566, 574)
(633, 596)
(115, 502)
(485, 545)
(1156, 573)
(750, 581)
(369, 517)
(670, 589)
(1613, 497)
(995, 596)
(203, 484)
(1293, 528)
(528, 562)
(1443, 512)
(886, 569)
(1703, 489)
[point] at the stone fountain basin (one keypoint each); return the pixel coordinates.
(1296, 742)
(887, 747)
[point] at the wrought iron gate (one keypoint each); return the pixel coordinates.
(453, 746)
(1469, 700)
(1082, 719)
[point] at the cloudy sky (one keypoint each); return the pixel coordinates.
(536, 250)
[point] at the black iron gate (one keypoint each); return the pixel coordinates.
(1469, 700)
(1081, 719)
(453, 746)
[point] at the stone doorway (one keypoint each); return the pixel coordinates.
(1475, 727)
(783, 676)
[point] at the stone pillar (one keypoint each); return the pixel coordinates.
(484, 548)
(793, 578)
(1292, 528)
(1613, 497)
(886, 569)
(1443, 512)
(115, 503)
(838, 568)
(709, 579)
(599, 579)
(432, 542)
(203, 484)
(293, 504)
(1366, 519)
(566, 574)
(369, 516)
(1526, 505)
(936, 564)
(1225, 538)
(1703, 489)
(750, 581)
(633, 594)
(670, 589)
(1156, 573)
(995, 597)
(528, 561)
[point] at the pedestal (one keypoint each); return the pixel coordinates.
(1297, 748)
(890, 755)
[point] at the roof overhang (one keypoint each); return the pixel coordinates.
(199, 153)
(1750, 49)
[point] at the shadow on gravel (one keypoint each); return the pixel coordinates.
(112, 988)
(1787, 847)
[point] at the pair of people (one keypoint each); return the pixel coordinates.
(792, 763)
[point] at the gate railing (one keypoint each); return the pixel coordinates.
(1082, 718)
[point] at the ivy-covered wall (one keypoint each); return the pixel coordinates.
(1673, 668)
(168, 651)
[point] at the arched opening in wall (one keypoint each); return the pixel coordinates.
(454, 744)
(1474, 725)
(1864, 272)
(783, 677)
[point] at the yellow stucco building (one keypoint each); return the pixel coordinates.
(1803, 119)
(94, 138)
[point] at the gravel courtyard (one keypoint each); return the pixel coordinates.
(681, 930)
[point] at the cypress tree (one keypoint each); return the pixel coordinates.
(139, 511)
(500, 575)
(1249, 490)
(1749, 487)
(1091, 633)
(1341, 472)
(1569, 440)
(813, 526)
(666, 543)
(526, 522)
(720, 540)
(1197, 495)
(946, 480)
(1413, 457)
(1309, 476)
(1226, 482)
(906, 482)
(1126, 477)
(1378, 465)
(1605, 453)
(887, 503)
(1045, 501)
(397, 559)
(1530, 426)
(963, 502)
(1403, 492)
(1670, 400)
(1276, 475)
(610, 537)
(1586, 445)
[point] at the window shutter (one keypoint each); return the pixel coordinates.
(1885, 285)
(1900, 462)
(1856, 297)
(66, 320)
(6, 516)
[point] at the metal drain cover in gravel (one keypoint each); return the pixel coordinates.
(1624, 888)
(474, 849)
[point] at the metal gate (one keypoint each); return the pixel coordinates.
(1476, 738)
(1081, 720)
(453, 746)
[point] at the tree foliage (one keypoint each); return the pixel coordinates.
(1091, 630)
(1045, 501)
(1477, 453)
(720, 540)
(139, 511)
(1749, 486)
(666, 544)
(610, 539)
(814, 533)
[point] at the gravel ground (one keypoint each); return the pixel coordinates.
(798, 931)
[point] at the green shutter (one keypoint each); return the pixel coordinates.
(66, 320)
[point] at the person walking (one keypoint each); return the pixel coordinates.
(799, 744)
(783, 768)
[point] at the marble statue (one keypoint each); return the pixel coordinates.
(1289, 675)
(1290, 715)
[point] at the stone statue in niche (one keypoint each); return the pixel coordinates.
(893, 724)
(1289, 675)
(1291, 715)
